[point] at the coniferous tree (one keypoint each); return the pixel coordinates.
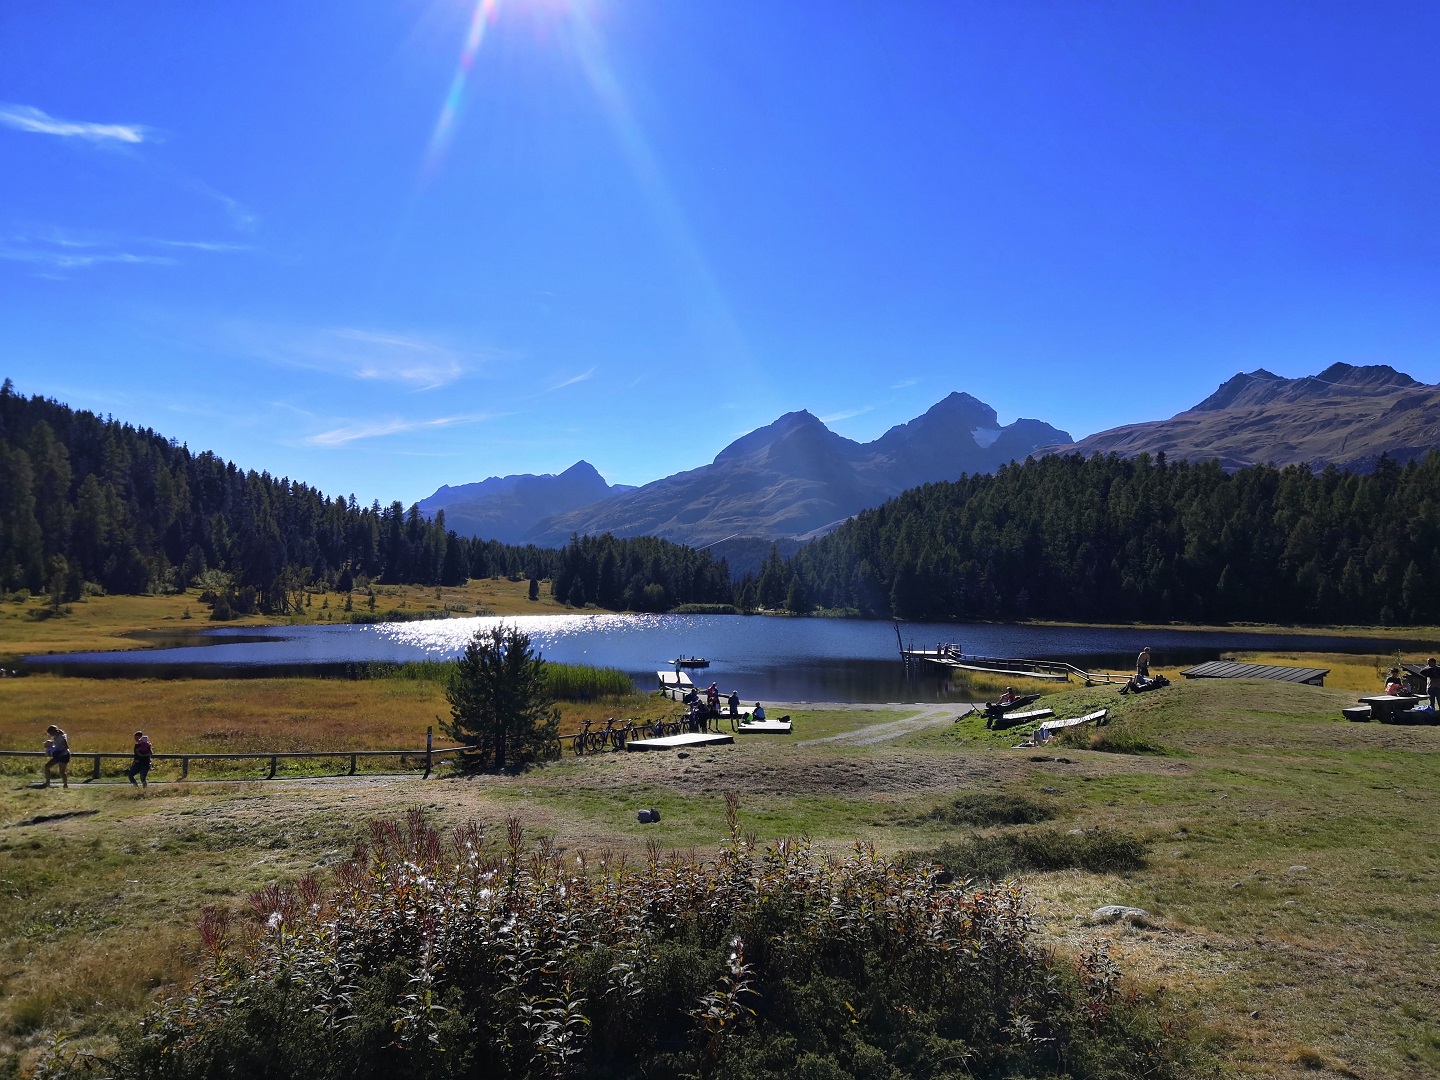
(499, 702)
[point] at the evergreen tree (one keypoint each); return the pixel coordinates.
(499, 701)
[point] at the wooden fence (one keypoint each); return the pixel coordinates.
(428, 755)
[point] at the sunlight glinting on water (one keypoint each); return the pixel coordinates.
(445, 638)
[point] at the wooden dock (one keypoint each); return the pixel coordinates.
(1230, 669)
(675, 684)
(951, 658)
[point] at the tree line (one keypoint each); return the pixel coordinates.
(1143, 539)
(86, 500)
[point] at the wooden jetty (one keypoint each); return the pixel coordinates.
(1230, 669)
(950, 657)
(675, 684)
(688, 741)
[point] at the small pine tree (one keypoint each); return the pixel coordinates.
(499, 701)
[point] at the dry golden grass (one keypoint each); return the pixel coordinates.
(1363, 674)
(220, 715)
(250, 715)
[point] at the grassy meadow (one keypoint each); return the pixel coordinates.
(1289, 859)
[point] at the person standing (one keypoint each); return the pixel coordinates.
(140, 764)
(58, 747)
(734, 704)
(1431, 673)
(1142, 663)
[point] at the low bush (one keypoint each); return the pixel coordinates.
(998, 856)
(433, 957)
(982, 808)
(565, 682)
(580, 682)
(1108, 741)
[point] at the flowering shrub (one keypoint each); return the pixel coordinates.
(436, 957)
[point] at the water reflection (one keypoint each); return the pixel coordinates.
(764, 658)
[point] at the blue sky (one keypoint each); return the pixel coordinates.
(388, 245)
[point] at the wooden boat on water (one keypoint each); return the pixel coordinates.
(690, 662)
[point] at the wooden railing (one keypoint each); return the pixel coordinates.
(429, 756)
(950, 656)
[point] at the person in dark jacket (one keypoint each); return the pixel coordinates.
(140, 763)
(1431, 674)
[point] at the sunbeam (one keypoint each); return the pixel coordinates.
(480, 18)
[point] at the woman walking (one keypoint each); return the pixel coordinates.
(58, 747)
(140, 765)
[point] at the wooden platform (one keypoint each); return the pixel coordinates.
(1089, 718)
(674, 684)
(680, 742)
(1229, 669)
(1014, 719)
(764, 727)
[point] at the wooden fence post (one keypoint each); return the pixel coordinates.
(429, 750)
(274, 764)
(96, 774)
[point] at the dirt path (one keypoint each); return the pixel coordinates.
(927, 716)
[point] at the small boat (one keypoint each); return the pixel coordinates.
(690, 661)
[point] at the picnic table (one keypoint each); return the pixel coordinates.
(1385, 707)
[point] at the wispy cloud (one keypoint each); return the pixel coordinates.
(367, 355)
(903, 383)
(574, 379)
(202, 245)
(56, 250)
(75, 258)
(835, 418)
(375, 429)
(29, 118)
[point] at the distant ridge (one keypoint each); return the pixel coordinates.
(505, 508)
(795, 478)
(1347, 415)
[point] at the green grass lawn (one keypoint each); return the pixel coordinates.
(1290, 865)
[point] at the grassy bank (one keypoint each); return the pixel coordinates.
(1286, 859)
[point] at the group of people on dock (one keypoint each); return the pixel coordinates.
(700, 712)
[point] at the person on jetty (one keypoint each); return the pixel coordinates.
(759, 713)
(58, 747)
(1009, 697)
(1142, 663)
(140, 763)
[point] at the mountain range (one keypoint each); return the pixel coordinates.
(795, 479)
(506, 508)
(1345, 416)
